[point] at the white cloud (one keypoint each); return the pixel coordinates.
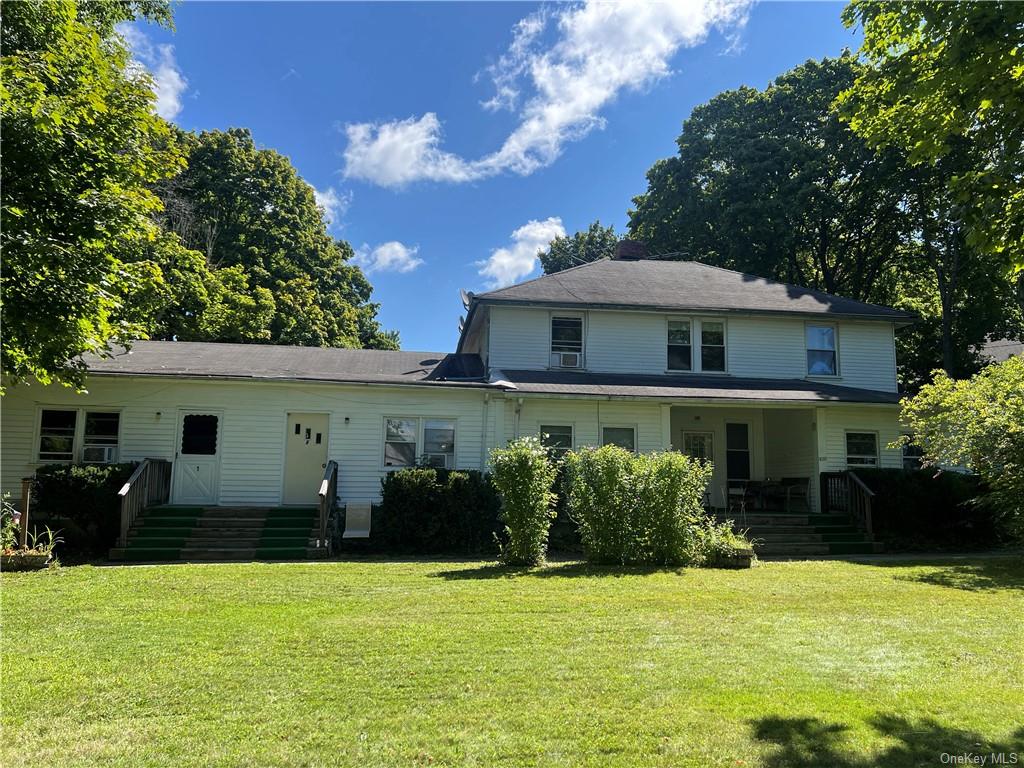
(169, 83)
(334, 203)
(599, 50)
(392, 256)
(507, 265)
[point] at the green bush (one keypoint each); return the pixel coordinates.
(638, 509)
(921, 509)
(523, 475)
(81, 500)
(436, 511)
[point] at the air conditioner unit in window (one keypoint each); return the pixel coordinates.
(99, 454)
(566, 359)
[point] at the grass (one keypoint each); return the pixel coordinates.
(436, 663)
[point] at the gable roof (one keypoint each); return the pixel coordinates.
(190, 359)
(681, 286)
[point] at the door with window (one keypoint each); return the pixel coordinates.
(197, 458)
(305, 457)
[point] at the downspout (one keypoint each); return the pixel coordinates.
(515, 418)
(483, 436)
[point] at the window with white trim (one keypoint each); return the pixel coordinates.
(566, 341)
(411, 441)
(57, 435)
(99, 444)
(624, 437)
(557, 438)
(72, 434)
(821, 350)
(680, 346)
(862, 449)
(712, 345)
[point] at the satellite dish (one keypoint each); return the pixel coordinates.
(466, 296)
(462, 324)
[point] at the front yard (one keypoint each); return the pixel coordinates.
(435, 663)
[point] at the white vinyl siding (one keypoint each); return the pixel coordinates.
(519, 338)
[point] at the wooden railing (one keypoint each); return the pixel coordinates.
(845, 492)
(150, 483)
(328, 500)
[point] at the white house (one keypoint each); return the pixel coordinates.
(766, 379)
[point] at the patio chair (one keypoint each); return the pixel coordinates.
(797, 489)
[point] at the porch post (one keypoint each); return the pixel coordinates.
(666, 427)
(821, 453)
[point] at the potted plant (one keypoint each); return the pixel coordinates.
(38, 551)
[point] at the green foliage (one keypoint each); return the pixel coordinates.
(10, 519)
(523, 475)
(267, 268)
(434, 511)
(82, 499)
(941, 75)
(582, 248)
(640, 509)
(924, 509)
(977, 423)
(81, 147)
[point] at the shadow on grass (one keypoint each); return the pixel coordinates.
(560, 570)
(978, 575)
(812, 743)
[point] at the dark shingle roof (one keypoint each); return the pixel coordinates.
(264, 361)
(690, 386)
(682, 286)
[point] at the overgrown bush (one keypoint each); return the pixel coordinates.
(81, 500)
(523, 475)
(436, 511)
(922, 509)
(634, 509)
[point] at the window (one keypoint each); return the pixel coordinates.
(199, 434)
(737, 452)
(861, 449)
(57, 435)
(821, 350)
(699, 445)
(99, 445)
(680, 351)
(567, 342)
(624, 437)
(400, 442)
(913, 456)
(439, 443)
(712, 345)
(556, 438)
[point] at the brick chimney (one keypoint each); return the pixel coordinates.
(630, 250)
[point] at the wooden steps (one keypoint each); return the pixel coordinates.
(801, 534)
(215, 534)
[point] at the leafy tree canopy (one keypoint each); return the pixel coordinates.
(940, 74)
(595, 243)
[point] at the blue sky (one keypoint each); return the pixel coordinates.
(449, 139)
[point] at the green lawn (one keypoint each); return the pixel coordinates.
(436, 663)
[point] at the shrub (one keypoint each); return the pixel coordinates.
(523, 475)
(81, 500)
(433, 511)
(637, 508)
(921, 509)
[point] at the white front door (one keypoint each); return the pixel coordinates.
(305, 457)
(197, 458)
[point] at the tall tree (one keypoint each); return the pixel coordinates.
(595, 243)
(81, 147)
(940, 76)
(246, 208)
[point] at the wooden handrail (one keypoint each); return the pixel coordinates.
(328, 494)
(150, 483)
(845, 492)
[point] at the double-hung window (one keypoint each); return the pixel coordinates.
(557, 438)
(680, 347)
(69, 434)
(412, 441)
(712, 345)
(624, 437)
(821, 350)
(566, 341)
(862, 449)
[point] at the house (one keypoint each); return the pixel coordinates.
(766, 379)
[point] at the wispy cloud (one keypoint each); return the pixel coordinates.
(513, 262)
(391, 256)
(158, 61)
(557, 86)
(334, 204)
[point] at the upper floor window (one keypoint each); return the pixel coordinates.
(821, 350)
(566, 341)
(680, 349)
(712, 345)
(69, 435)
